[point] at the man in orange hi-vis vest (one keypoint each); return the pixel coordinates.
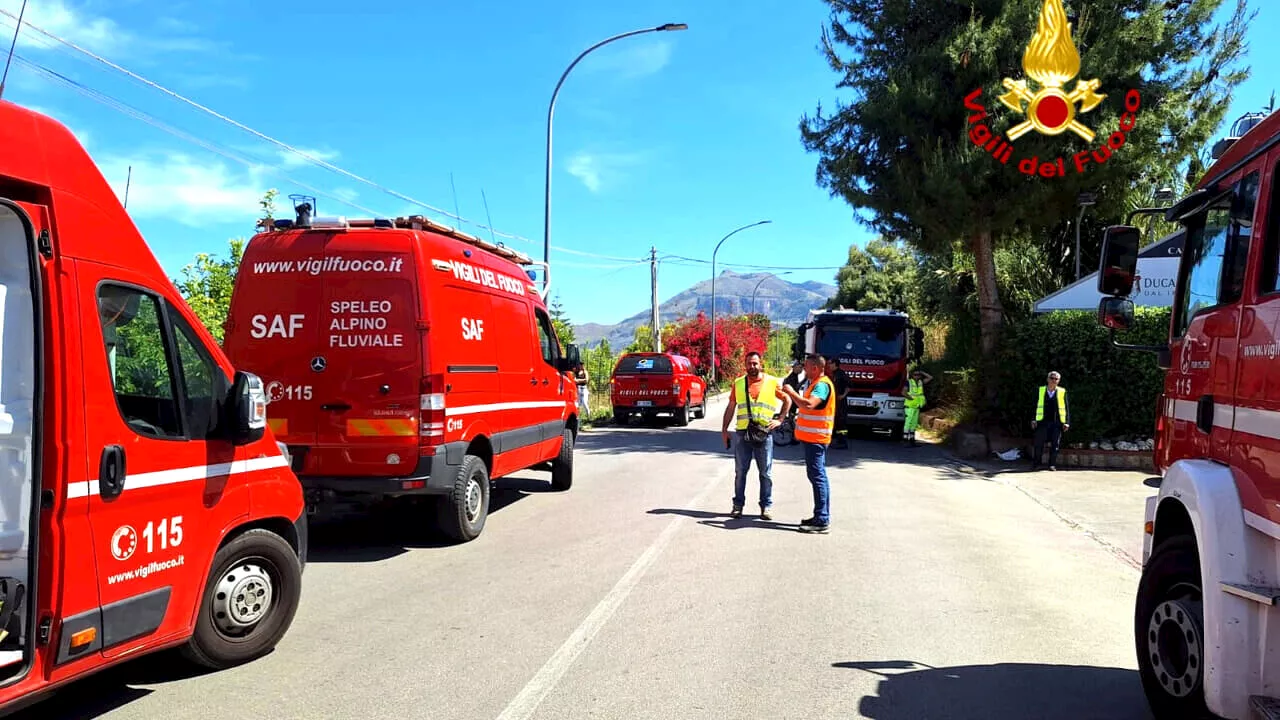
(814, 426)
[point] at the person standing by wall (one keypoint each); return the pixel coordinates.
(815, 424)
(914, 403)
(1050, 425)
(757, 399)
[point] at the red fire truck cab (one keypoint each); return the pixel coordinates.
(1207, 625)
(649, 384)
(872, 348)
(403, 359)
(143, 505)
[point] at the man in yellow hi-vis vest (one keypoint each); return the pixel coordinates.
(768, 405)
(1053, 417)
(815, 424)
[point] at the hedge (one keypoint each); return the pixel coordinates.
(1113, 392)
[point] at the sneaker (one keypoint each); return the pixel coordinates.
(764, 513)
(815, 528)
(808, 521)
(1053, 468)
(737, 512)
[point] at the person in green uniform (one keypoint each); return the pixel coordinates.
(914, 402)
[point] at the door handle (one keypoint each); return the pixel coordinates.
(111, 472)
(1204, 414)
(335, 406)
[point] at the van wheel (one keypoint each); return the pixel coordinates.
(1169, 630)
(702, 410)
(620, 417)
(464, 510)
(250, 598)
(682, 415)
(562, 466)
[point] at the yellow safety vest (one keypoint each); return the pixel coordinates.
(915, 394)
(816, 426)
(1062, 404)
(763, 408)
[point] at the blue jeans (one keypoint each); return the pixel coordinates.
(815, 466)
(743, 452)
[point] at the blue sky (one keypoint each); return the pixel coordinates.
(666, 139)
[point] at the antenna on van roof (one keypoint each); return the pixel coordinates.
(12, 46)
(487, 217)
(127, 182)
(456, 211)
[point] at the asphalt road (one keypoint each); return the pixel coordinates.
(937, 594)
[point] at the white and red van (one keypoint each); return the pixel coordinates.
(143, 504)
(403, 358)
(1207, 621)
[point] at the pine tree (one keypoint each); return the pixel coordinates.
(901, 147)
(560, 321)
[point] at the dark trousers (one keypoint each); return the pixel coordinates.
(1051, 432)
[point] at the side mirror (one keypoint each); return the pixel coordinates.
(1119, 263)
(248, 404)
(1115, 313)
(572, 357)
(917, 343)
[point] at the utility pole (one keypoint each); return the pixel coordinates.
(653, 283)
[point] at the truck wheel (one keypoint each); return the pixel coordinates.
(620, 417)
(896, 432)
(1169, 629)
(250, 598)
(682, 415)
(464, 510)
(701, 411)
(562, 466)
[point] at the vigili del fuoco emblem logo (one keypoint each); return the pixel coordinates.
(1052, 61)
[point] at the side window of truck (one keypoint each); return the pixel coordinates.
(1246, 200)
(1270, 269)
(546, 337)
(137, 355)
(203, 382)
(1205, 248)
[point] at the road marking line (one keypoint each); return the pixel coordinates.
(526, 702)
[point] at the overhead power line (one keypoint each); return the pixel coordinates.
(131, 111)
(301, 153)
(756, 267)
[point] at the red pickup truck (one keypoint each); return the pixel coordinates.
(652, 384)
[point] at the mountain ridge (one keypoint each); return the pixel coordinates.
(785, 303)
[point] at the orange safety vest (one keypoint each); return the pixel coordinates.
(816, 426)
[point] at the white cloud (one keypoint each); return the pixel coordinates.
(99, 34)
(596, 170)
(78, 24)
(192, 191)
(290, 160)
(638, 58)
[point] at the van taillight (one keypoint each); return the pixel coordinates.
(431, 410)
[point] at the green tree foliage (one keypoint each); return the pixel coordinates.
(560, 321)
(1113, 392)
(642, 340)
(900, 147)
(206, 285)
(881, 276)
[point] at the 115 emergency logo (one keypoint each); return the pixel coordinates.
(1051, 61)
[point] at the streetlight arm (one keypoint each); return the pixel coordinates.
(713, 290)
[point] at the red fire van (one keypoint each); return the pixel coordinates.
(143, 504)
(402, 358)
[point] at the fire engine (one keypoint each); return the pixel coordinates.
(1206, 622)
(143, 502)
(873, 348)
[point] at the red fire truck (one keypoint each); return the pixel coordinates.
(1207, 626)
(143, 502)
(873, 348)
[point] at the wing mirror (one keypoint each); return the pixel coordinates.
(248, 404)
(1115, 313)
(1119, 263)
(917, 343)
(572, 358)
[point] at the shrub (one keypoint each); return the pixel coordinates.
(1113, 392)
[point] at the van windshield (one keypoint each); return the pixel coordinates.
(645, 364)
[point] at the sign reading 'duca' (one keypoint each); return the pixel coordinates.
(1051, 60)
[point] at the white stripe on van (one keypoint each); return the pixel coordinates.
(473, 409)
(180, 475)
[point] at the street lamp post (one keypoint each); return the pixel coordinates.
(551, 109)
(757, 287)
(1084, 200)
(713, 291)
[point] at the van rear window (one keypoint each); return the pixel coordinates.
(655, 364)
